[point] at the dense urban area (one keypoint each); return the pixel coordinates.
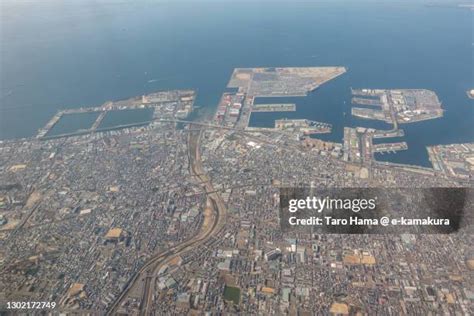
(170, 216)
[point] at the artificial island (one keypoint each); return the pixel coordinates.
(168, 214)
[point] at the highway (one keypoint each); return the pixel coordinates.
(212, 224)
(42, 136)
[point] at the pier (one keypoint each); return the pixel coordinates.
(389, 147)
(364, 101)
(389, 134)
(96, 130)
(98, 120)
(370, 114)
(166, 104)
(43, 132)
(367, 92)
(274, 107)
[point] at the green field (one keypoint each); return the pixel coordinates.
(232, 294)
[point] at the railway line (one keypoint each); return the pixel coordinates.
(217, 218)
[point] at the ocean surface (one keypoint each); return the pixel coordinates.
(66, 54)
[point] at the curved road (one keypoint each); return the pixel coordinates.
(217, 217)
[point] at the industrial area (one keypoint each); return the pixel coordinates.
(397, 106)
(456, 160)
(173, 216)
